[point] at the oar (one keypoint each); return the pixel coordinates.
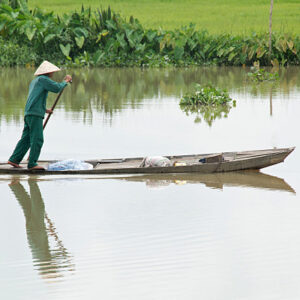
(52, 108)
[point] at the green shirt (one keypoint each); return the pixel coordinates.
(38, 92)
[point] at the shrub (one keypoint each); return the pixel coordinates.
(11, 54)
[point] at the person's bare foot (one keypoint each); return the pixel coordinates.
(14, 165)
(40, 168)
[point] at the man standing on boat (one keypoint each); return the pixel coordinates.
(35, 109)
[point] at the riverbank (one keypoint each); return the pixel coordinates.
(104, 38)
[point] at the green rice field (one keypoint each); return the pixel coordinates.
(217, 16)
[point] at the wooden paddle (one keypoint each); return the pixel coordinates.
(52, 108)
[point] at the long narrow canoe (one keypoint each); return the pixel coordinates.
(210, 163)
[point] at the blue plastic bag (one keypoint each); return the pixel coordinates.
(69, 164)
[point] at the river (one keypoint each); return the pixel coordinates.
(217, 236)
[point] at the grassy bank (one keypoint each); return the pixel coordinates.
(216, 16)
(104, 38)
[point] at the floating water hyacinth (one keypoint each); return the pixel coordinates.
(259, 75)
(207, 103)
(207, 95)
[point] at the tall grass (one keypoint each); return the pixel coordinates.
(216, 16)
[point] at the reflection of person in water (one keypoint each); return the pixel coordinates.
(50, 263)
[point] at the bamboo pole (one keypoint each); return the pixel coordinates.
(52, 108)
(270, 29)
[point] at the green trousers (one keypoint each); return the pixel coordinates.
(32, 137)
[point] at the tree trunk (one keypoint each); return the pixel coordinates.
(270, 30)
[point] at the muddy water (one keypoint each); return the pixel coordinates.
(219, 236)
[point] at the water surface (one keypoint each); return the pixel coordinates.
(183, 236)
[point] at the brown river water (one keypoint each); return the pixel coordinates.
(183, 236)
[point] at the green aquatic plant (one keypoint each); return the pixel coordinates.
(207, 95)
(260, 74)
(207, 103)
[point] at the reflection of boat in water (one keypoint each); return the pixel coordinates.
(216, 180)
(51, 262)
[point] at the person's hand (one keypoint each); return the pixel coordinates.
(68, 78)
(49, 111)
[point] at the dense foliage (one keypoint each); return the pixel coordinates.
(104, 38)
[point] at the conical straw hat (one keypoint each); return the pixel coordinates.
(45, 68)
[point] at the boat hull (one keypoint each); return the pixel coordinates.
(234, 161)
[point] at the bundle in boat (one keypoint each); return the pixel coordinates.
(155, 161)
(214, 158)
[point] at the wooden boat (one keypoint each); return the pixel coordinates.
(210, 163)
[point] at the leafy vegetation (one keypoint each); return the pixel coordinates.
(104, 38)
(208, 103)
(258, 74)
(207, 95)
(12, 54)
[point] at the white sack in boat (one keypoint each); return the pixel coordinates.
(155, 161)
(69, 164)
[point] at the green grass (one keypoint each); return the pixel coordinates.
(217, 16)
